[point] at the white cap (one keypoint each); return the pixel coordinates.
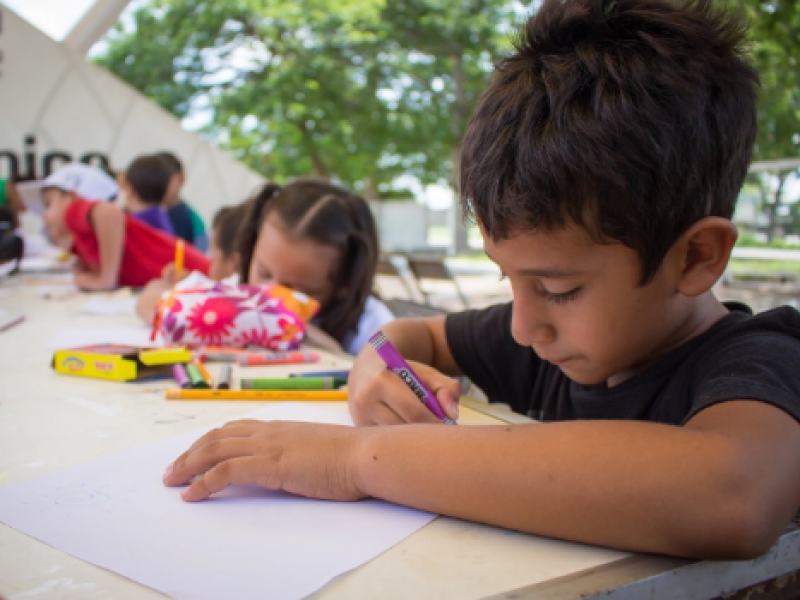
(88, 182)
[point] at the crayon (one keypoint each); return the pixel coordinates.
(204, 372)
(338, 374)
(271, 395)
(296, 383)
(277, 358)
(182, 379)
(224, 379)
(398, 365)
(196, 377)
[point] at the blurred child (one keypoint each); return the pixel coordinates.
(10, 200)
(224, 263)
(114, 249)
(144, 186)
(319, 239)
(187, 224)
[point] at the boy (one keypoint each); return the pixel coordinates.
(144, 187)
(602, 165)
(187, 224)
(113, 248)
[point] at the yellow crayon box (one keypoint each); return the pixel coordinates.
(119, 363)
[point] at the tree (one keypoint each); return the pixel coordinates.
(361, 92)
(775, 38)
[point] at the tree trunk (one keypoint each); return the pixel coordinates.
(772, 213)
(371, 191)
(458, 121)
(320, 170)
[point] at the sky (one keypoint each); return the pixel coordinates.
(54, 17)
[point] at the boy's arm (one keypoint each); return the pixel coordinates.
(725, 485)
(379, 397)
(108, 223)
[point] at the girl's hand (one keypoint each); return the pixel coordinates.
(379, 397)
(169, 276)
(308, 459)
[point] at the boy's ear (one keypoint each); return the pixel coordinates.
(702, 253)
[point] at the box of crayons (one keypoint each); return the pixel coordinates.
(119, 363)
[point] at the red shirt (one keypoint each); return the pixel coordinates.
(145, 253)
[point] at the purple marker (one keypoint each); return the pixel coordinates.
(179, 372)
(398, 365)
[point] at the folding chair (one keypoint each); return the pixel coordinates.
(430, 267)
(387, 268)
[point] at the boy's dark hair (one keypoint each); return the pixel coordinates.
(225, 227)
(172, 163)
(632, 118)
(329, 215)
(149, 178)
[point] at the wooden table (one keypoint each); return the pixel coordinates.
(49, 422)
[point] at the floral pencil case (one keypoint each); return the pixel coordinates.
(236, 316)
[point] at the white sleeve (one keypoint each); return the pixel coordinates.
(376, 314)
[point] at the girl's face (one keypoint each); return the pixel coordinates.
(221, 266)
(300, 263)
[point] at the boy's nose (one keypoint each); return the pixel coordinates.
(528, 327)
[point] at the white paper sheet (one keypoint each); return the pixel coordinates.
(109, 306)
(77, 337)
(244, 543)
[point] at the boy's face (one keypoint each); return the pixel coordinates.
(578, 304)
(56, 202)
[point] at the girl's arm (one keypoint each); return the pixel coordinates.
(108, 222)
(148, 299)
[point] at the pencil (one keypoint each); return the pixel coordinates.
(179, 248)
(285, 395)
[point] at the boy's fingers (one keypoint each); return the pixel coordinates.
(232, 429)
(206, 457)
(236, 471)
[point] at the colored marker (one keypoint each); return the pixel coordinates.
(277, 358)
(196, 377)
(297, 383)
(338, 374)
(182, 379)
(179, 249)
(272, 395)
(398, 365)
(224, 379)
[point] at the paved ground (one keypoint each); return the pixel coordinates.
(486, 289)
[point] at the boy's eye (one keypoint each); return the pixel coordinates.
(561, 298)
(502, 276)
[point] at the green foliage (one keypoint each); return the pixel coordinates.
(361, 91)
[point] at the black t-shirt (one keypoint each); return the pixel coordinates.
(739, 357)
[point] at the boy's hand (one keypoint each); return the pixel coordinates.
(308, 459)
(379, 397)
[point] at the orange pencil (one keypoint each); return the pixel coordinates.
(179, 249)
(272, 395)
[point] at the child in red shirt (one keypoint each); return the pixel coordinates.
(113, 248)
